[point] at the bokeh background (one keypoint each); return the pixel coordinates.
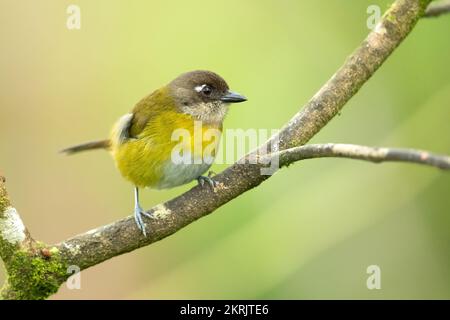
(311, 230)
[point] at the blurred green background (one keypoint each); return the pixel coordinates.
(311, 230)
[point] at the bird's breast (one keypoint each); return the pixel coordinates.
(173, 149)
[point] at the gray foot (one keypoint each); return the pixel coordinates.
(138, 213)
(212, 183)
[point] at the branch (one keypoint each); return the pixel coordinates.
(435, 9)
(373, 154)
(122, 236)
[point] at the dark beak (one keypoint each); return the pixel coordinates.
(233, 97)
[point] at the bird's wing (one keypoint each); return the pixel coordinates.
(129, 126)
(149, 107)
(141, 116)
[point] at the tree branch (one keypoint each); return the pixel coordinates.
(122, 236)
(437, 8)
(352, 151)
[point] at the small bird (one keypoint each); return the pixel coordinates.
(142, 142)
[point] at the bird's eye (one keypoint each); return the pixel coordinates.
(206, 90)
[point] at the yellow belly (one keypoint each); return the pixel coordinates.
(148, 160)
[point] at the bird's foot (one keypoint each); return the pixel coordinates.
(138, 213)
(212, 183)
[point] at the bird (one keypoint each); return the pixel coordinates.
(156, 145)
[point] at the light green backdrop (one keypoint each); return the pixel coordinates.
(311, 230)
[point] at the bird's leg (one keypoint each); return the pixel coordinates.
(139, 212)
(202, 179)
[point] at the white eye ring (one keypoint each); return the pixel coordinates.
(204, 89)
(200, 88)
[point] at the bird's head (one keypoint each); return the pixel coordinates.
(204, 95)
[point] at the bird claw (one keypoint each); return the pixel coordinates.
(212, 183)
(138, 213)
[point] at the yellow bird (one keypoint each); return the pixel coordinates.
(171, 136)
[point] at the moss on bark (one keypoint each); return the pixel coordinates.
(32, 276)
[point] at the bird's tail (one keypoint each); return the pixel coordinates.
(100, 144)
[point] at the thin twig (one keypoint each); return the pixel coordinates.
(352, 151)
(437, 8)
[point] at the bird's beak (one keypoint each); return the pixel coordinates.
(233, 97)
